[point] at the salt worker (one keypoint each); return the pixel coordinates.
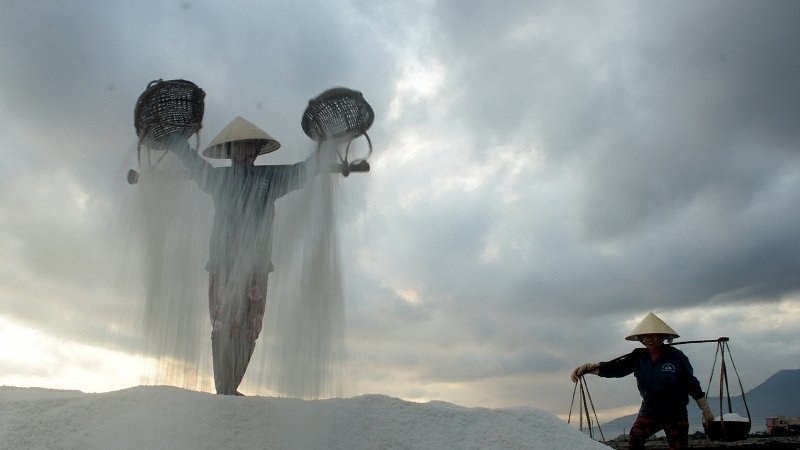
(240, 248)
(665, 380)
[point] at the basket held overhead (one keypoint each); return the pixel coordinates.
(168, 107)
(338, 113)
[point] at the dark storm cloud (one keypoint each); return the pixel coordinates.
(715, 87)
(717, 151)
(682, 120)
(58, 69)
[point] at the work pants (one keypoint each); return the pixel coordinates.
(236, 308)
(677, 431)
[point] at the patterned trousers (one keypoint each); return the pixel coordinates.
(236, 307)
(677, 431)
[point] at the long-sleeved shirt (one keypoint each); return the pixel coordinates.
(664, 384)
(244, 209)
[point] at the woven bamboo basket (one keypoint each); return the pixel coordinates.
(338, 113)
(166, 108)
(727, 431)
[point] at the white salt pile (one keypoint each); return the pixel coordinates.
(732, 417)
(172, 418)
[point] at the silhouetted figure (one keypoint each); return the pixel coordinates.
(665, 380)
(240, 249)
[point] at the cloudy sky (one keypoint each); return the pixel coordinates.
(544, 175)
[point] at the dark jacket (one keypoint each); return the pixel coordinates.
(244, 209)
(665, 384)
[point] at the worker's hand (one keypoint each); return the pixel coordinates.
(583, 369)
(359, 166)
(708, 416)
(347, 169)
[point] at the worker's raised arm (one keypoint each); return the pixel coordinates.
(198, 169)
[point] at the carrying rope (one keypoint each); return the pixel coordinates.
(724, 385)
(583, 409)
(344, 161)
(336, 115)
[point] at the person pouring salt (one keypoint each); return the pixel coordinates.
(240, 247)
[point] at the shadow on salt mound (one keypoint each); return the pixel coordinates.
(167, 417)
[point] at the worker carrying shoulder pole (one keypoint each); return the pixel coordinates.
(665, 380)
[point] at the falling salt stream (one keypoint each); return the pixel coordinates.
(301, 349)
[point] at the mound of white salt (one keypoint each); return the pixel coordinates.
(167, 417)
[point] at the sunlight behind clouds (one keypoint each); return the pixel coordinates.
(408, 295)
(43, 360)
(418, 82)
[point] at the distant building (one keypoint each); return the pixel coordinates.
(783, 424)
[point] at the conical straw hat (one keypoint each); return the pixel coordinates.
(239, 130)
(651, 324)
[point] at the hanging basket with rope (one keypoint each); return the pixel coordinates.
(726, 428)
(340, 115)
(164, 109)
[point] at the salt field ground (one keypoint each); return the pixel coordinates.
(160, 417)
